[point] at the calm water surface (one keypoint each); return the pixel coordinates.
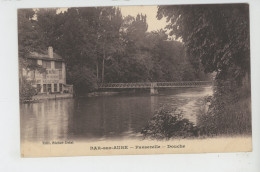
(107, 117)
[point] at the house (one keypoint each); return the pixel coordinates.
(53, 80)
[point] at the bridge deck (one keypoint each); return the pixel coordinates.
(156, 84)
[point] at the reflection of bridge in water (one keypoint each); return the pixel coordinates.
(153, 86)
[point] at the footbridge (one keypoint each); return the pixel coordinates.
(153, 86)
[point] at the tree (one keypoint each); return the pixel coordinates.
(26, 90)
(76, 43)
(28, 37)
(97, 41)
(84, 37)
(216, 36)
(28, 41)
(110, 20)
(48, 24)
(134, 32)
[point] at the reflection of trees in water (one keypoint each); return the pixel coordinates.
(48, 120)
(97, 117)
(110, 116)
(154, 102)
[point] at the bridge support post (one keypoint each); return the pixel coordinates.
(153, 89)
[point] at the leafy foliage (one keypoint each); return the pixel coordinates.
(168, 124)
(29, 40)
(216, 36)
(229, 112)
(99, 45)
(27, 91)
(28, 35)
(83, 79)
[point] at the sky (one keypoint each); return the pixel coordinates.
(150, 11)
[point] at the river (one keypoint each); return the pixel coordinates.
(105, 117)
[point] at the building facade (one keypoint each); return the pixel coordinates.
(53, 80)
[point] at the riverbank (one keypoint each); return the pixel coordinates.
(68, 95)
(106, 93)
(51, 96)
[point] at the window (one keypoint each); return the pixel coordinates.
(39, 88)
(44, 75)
(49, 87)
(44, 88)
(60, 85)
(60, 74)
(46, 64)
(58, 65)
(32, 61)
(55, 88)
(32, 74)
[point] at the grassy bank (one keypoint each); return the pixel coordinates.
(228, 114)
(232, 118)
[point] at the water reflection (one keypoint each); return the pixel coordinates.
(119, 116)
(110, 116)
(46, 120)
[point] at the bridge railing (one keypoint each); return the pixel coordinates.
(184, 84)
(125, 85)
(155, 84)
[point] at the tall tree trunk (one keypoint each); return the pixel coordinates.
(103, 64)
(95, 51)
(103, 68)
(97, 70)
(20, 72)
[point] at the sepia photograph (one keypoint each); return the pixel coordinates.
(120, 80)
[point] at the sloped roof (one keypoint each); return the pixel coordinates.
(45, 56)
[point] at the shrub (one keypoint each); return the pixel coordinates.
(27, 91)
(167, 124)
(83, 79)
(229, 112)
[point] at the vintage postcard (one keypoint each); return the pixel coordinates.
(121, 80)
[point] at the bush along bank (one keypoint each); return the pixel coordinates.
(226, 113)
(168, 123)
(229, 112)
